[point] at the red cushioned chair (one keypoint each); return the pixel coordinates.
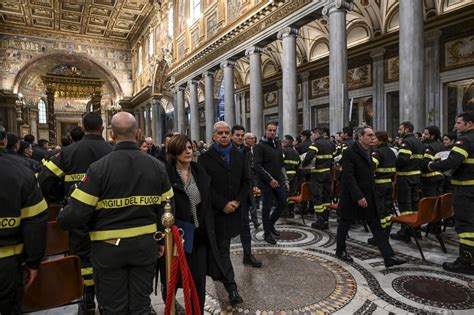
(304, 196)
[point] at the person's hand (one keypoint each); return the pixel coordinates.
(161, 250)
(235, 203)
(29, 276)
(274, 184)
(255, 189)
(229, 208)
(363, 203)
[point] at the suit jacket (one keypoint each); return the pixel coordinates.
(228, 182)
(357, 182)
(204, 211)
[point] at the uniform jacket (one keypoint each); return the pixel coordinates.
(291, 160)
(71, 163)
(121, 195)
(357, 182)
(204, 210)
(410, 156)
(303, 147)
(322, 151)
(431, 148)
(228, 182)
(460, 159)
(384, 159)
(23, 213)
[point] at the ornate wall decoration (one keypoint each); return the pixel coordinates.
(180, 16)
(270, 99)
(392, 67)
(181, 48)
(359, 76)
(322, 115)
(459, 52)
(233, 9)
(195, 39)
(320, 86)
(211, 24)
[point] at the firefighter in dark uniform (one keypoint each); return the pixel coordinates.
(385, 167)
(431, 181)
(291, 162)
(23, 225)
(322, 152)
(70, 165)
(461, 160)
(409, 161)
(121, 200)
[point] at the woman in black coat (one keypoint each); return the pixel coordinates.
(357, 197)
(190, 185)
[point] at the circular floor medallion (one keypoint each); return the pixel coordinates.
(291, 236)
(436, 292)
(289, 281)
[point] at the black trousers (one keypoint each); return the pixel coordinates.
(431, 186)
(268, 195)
(124, 274)
(407, 193)
(245, 236)
(383, 199)
(223, 245)
(80, 245)
(11, 285)
(321, 190)
(380, 237)
(463, 204)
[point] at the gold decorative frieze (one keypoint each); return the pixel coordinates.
(458, 52)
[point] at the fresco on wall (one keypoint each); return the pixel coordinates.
(233, 9)
(181, 16)
(459, 52)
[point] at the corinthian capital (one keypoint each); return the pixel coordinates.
(337, 5)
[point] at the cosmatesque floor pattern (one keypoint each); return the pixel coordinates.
(301, 275)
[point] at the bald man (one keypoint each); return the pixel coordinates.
(121, 199)
(151, 148)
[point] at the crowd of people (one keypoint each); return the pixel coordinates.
(113, 196)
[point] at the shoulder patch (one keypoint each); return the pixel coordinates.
(85, 179)
(461, 142)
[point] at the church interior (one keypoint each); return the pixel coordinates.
(182, 65)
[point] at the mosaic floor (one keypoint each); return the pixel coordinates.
(301, 275)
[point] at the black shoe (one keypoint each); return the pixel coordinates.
(400, 236)
(320, 225)
(460, 265)
(256, 224)
(344, 256)
(235, 298)
(372, 241)
(252, 261)
(87, 306)
(394, 261)
(275, 232)
(269, 239)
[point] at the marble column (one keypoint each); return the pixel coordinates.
(256, 97)
(210, 108)
(51, 117)
(378, 75)
(142, 120)
(290, 85)
(137, 116)
(305, 95)
(148, 120)
(229, 94)
(281, 112)
(412, 84)
(156, 121)
(338, 113)
(194, 108)
(179, 111)
(34, 122)
(174, 92)
(432, 75)
(238, 110)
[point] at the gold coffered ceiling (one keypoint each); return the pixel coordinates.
(107, 19)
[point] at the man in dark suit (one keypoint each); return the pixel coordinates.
(357, 197)
(230, 184)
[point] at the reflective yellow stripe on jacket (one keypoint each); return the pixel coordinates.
(462, 182)
(383, 180)
(54, 168)
(33, 210)
(320, 170)
(410, 173)
(291, 162)
(74, 177)
(432, 174)
(11, 250)
(122, 233)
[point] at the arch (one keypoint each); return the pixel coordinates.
(21, 75)
(319, 49)
(358, 33)
(160, 77)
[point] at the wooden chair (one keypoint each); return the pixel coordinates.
(53, 211)
(428, 209)
(57, 241)
(59, 282)
(305, 195)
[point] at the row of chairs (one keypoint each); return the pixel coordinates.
(432, 211)
(59, 281)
